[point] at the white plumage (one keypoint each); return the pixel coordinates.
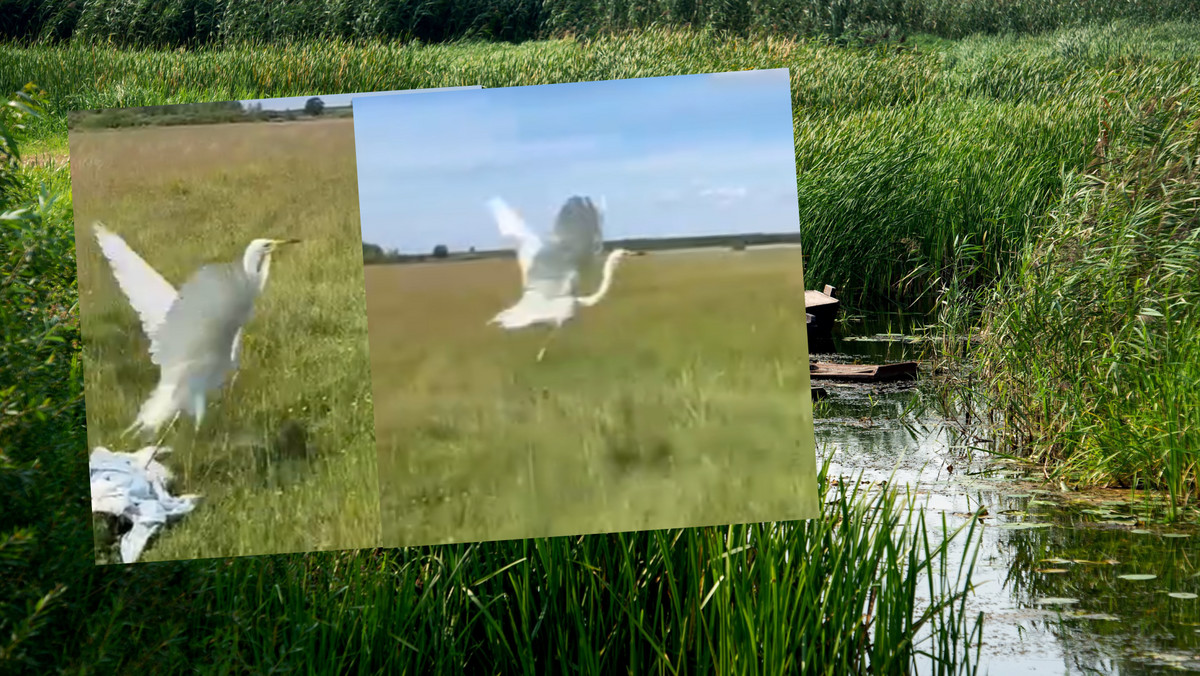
(195, 334)
(551, 267)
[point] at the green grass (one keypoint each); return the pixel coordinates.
(680, 400)
(185, 196)
(834, 595)
(900, 152)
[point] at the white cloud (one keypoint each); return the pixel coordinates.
(725, 195)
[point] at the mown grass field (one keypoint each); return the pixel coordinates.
(185, 196)
(680, 400)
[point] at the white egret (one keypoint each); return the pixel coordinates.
(195, 334)
(550, 267)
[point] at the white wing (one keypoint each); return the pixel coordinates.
(572, 246)
(513, 226)
(150, 295)
(577, 231)
(200, 329)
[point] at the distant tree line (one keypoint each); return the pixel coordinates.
(196, 113)
(373, 254)
(197, 23)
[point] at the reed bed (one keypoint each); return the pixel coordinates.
(1091, 351)
(900, 151)
(173, 23)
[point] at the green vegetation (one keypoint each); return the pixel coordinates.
(42, 424)
(929, 170)
(1091, 348)
(304, 356)
(903, 155)
(196, 23)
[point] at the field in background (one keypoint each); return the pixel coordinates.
(185, 196)
(680, 400)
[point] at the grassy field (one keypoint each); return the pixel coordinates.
(681, 400)
(184, 196)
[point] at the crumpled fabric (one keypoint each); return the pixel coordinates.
(134, 486)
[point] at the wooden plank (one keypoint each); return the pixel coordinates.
(905, 370)
(815, 299)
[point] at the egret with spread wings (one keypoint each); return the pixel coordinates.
(195, 334)
(550, 267)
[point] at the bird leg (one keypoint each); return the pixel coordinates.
(542, 352)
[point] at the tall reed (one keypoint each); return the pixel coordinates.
(1091, 351)
(900, 153)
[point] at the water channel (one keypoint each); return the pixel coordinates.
(1052, 566)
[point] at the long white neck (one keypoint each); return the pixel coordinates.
(257, 264)
(610, 264)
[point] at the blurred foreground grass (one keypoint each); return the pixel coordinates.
(682, 400)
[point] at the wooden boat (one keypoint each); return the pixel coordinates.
(872, 373)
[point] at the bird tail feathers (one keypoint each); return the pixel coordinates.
(160, 409)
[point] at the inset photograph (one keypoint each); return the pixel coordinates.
(586, 307)
(227, 383)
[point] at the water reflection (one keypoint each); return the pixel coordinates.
(1048, 574)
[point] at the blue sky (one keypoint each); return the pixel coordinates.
(333, 100)
(686, 155)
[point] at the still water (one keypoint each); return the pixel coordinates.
(1051, 577)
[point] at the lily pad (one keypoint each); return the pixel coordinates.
(1098, 616)
(1052, 570)
(1176, 535)
(1055, 560)
(1182, 595)
(1020, 496)
(1055, 601)
(1137, 577)
(1140, 531)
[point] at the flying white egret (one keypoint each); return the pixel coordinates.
(550, 267)
(195, 334)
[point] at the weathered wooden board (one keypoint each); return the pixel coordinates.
(905, 370)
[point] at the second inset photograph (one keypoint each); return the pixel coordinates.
(585, 307)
